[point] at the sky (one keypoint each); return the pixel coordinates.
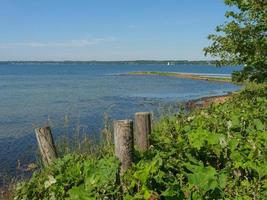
(107, 29)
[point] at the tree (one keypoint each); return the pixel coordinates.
(242, 40)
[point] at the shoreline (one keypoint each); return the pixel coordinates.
(182, 75)
(204, 102)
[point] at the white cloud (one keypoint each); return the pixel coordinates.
(71, 43)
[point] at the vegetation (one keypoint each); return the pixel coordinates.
(184, 75)
(243, 39)
(215, 153)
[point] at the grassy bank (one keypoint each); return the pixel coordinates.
(219, 152)
(184, 75)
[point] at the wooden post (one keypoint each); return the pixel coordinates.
(123, 139)
(46, 145)
(142, 130)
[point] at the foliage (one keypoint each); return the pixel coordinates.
(243, 39)
(215, 153)
(73, 177)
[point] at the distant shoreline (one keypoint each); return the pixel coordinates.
(183, 75)
(158, 62)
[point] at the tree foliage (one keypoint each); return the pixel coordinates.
(242, 40)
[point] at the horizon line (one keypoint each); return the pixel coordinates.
(161, 60)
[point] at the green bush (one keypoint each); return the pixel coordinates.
(215, 153)
(73, 177)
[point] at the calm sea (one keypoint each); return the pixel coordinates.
(33, 94)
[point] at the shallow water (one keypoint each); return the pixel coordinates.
(32, 94)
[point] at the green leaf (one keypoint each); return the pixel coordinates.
(259, 125)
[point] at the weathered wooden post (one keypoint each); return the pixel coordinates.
(123, 139)
(46, 145)
(142, 130)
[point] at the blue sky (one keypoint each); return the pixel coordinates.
(107, 29)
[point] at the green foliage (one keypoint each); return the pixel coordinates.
(243, 39)
(215, 153)
(73, 177)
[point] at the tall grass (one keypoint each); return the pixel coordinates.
(79, 140)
